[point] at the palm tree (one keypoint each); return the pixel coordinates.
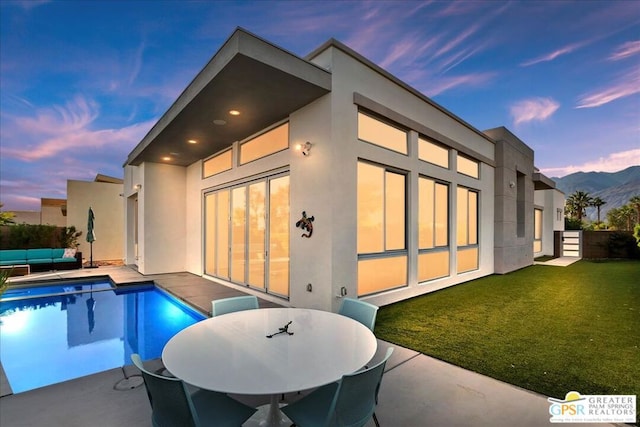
(627, 213)
(597, 202)
(635, 203)
(578, 202)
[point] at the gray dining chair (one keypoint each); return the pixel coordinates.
(361, 311)
(350, 402)
(173, 405)
(229, 305)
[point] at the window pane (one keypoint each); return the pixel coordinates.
(432, 265)
(217, 164)
(442, 214)
(537, 246)
(537, 224)
(467, 259)
(468, 166)
(433, 153)
(375, 275)
(238, 221)
(394, 211)
(473, 218)
(382, 134)
(210, 233)
(256, 234)
(370, 208)
(462, 218)
(222, 241)
(426, 190)
(279, 236)
(268, 143)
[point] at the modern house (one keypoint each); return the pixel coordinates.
(309, 179)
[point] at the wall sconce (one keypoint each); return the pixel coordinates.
(137, 186)
(512, 184)
(305, 148)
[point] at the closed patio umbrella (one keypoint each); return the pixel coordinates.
(91, 235)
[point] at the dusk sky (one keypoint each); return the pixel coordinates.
(82, 82)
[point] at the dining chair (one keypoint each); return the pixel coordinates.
(229, 305)
(350, 402)
(361, 311)
(173, 405)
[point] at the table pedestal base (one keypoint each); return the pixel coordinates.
(269, 415)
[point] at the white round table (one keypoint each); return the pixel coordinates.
(232, 354)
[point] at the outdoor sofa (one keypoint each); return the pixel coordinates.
(43, 259)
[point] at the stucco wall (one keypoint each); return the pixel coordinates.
(512, 251)
(349, 77)
(162, 212)
(108, 207)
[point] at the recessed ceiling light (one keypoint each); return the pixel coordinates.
(166, 158)
(219, 122)
(234, 112)
(192, 141)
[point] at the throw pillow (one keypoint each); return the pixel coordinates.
(69, 253)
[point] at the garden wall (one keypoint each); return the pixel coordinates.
(609, 244)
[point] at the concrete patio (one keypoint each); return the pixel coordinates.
(417, 390)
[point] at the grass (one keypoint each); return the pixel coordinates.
(547, 329)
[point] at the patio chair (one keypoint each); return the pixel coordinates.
(173, 405)
(229, 305)
(350, 402)
(361, 311)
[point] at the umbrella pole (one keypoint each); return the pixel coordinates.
(91, 257)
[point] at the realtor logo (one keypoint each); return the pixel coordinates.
(577, 408)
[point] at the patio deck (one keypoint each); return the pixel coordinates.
(417, 390)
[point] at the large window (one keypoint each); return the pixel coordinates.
(467, 229)
(270, 142)
(380, 133)
(239, 231)
(537, 230)
(433, 229)
(382, 255)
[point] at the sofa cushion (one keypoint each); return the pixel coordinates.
(13, 262)
(39, 260)
(11, 255)
(39, 254)
(57, 252)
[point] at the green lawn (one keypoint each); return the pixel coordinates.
(543, 328)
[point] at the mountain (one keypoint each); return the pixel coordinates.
(615, 188)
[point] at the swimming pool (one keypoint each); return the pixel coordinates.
(61, 331)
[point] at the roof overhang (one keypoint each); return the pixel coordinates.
(263, 82)
(541, 182)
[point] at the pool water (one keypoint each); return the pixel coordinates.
(58, 332)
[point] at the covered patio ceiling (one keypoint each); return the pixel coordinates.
(249, 75)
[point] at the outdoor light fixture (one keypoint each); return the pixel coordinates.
(512, 184)
(137, 186)
(305, 148)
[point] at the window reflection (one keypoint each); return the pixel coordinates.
(379, 133)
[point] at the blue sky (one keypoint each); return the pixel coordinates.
(81, 82)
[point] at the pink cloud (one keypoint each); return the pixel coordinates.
(627, 85)
(626, 50)
(444, 84)
(67, 129)
(553, 55)
(534, 109)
